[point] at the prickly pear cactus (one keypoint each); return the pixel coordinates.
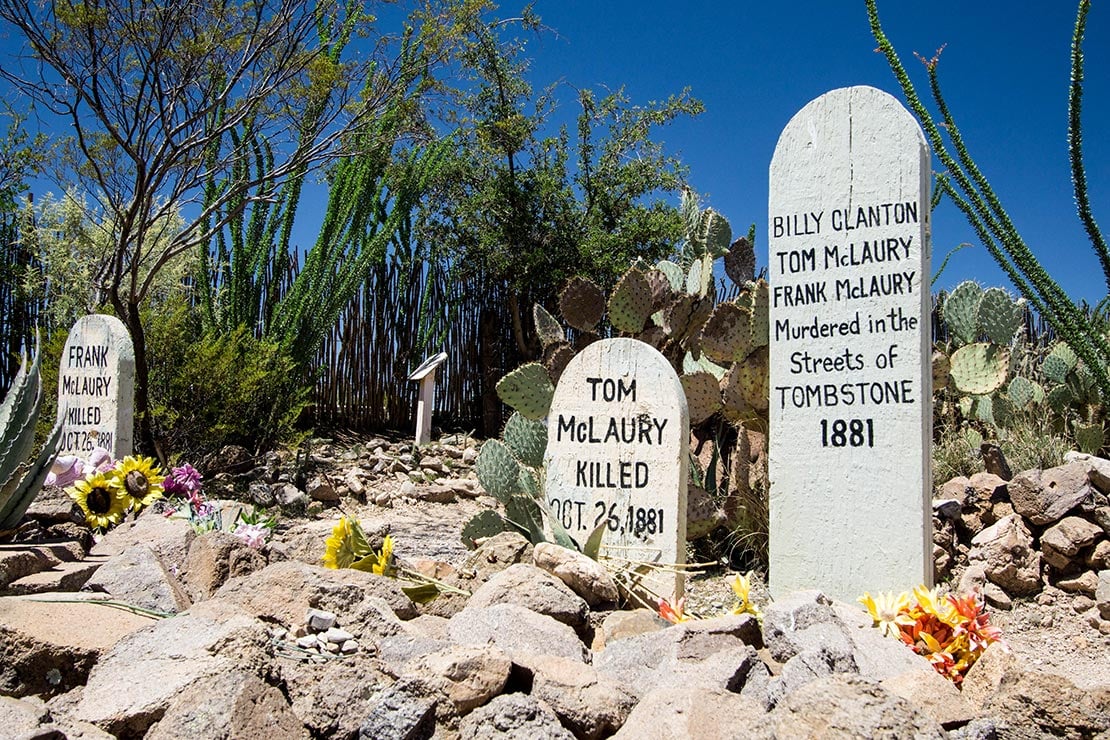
(703, 395)
(979, 369)
(547, 327)
(528, 389)
(526, 439)
(961, 311)
(740, 262)
(498, 470)
(631, 302)
(1000, 317)
(582, 304)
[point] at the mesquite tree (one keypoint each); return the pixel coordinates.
(166, 100)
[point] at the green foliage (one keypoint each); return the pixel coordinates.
(20, 479)
(528, 389)
(211, 390)
(968, 188)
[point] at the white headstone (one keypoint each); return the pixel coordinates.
(851, 383)
(96, 387)
(618, 452)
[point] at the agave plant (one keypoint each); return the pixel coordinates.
(20, 479)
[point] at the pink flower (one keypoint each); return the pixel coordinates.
(254, 535)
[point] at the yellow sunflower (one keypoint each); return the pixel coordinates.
(103, 505)
(346, 545)
(139, 481)
(380, 563)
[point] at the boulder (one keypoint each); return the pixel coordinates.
(1061, 542)
(139, 678)
(50, 647)
(170, 538)
(1008, 556)
(284, 591)
(209, 562)
(404, 711)
(518, 631)
(335, 697)
(713, 653)
(468, 675)
(235, 704)
(585, 576)
(513, 717)
(1102, 593)
(1045, 496)
(137, 576)
(1084, 583)
(26, 719)
(620, 624)
(589, 704)
(528, 586)
(680, 712)
(848, 706)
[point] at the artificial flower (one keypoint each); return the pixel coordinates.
(183, 481)
(888, 611)
(254, 535)
(380, 563)
(674, 614)
(139, 481)
(742, 587)
(346, 545)
(102, 503)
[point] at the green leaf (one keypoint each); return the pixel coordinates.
(592, 548)
(421, 593)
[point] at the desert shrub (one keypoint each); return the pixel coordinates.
(210, 390)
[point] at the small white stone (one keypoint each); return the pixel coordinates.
(307, 642)
(278, 633)
(320, 620)
(348, 647)
(335, 634)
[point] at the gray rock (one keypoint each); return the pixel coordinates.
(261, 494)
(518, 631)
(713, 653)
(155, 664)
(585, 576)
(1043, 497)
(235, 704)
(1102, 593)
(335, 697)
(1084, 583)
(468, 675)
(848, 706)
(1071, 534)
(513, 717)
(404, 711)
(681, 712)
(809, 665)
(589, 704)
(170, 538)
(26, 720)
(1102, 518)
(620, 624)
(784, 619)
(138, 576)
(208, 564)
(1008, 556)
(320, 619)
(528, 586)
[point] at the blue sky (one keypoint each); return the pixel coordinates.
(1005, 70)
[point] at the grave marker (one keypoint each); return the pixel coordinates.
(851, 383)
(617, 453)
(425, 404)
(96, 387)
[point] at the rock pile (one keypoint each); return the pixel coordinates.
(1043, 528)
(266, 643)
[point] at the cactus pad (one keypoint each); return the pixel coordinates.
(761, 313)
(691, 365)
(961, 311)
(547, 326)
(703, 395)
(702, 513)
(941, 370)
(1065, 353)
(699, 279)
(661, 291)
(482, 525)
(1000, 317)
(733, 406)
(523, 512)
(753, 376)
(631, 302)
(528, 389)
(1020, 392)
(1055, 368)
(1090, 437)
(582, 304)
(1059, 398)
(526, 439)
(556, 357)
(727, 335)
(715, 233)
(498, 470)
(740, 262)
(676, 317)
(675, 276)
(979, 369)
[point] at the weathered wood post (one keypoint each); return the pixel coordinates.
(425, 404)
